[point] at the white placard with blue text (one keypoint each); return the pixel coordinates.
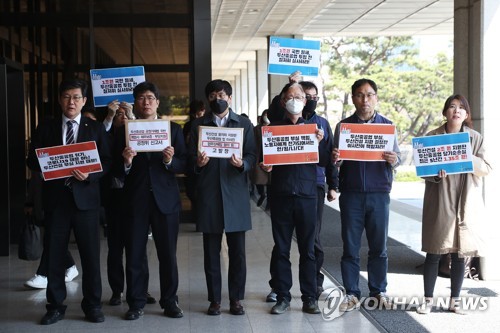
(111, 84)
(287, 55)
(449, 152)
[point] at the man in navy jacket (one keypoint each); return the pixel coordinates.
(364, 203)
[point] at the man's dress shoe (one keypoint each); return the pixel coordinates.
(214, 309)
(133, 314)
(172, 310)
(116, 299)
(150, 299)
(236, 308)
(95, 316)
(52, 317)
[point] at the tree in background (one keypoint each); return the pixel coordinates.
(411, 90)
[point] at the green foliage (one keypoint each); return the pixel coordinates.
(411, 91)
(173, 105)
(407, 176)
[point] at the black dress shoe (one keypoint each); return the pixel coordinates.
(214, 309)
(281, 306)
(172, 310)
(310, 306)
(236, 308)
(150, 299)
(116, 299)
(94, 316)
(133, 314)
(52, 317)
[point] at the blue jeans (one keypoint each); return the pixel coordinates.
(364, 211)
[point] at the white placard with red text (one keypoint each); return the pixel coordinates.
(365, 142)
(289, 144)
(147, 135)
(58, 162)
(220, 142)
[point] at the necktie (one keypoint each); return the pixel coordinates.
(70, 138)
(70, 134)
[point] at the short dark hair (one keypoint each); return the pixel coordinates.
(195, 106)
(218, 85)
(465, 104)
(308, 85)
(361, 82)
(68, 84)
(145, 86)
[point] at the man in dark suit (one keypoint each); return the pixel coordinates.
(151, 197)
(223, 200)
(72, 203)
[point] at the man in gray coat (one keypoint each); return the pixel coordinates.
(223, 198)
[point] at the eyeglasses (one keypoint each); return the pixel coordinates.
(149, 98)
(297, 98)
(75, 98)
(219, 95)
(312, 97)
(362, 96)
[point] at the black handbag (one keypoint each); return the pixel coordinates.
(30, 240)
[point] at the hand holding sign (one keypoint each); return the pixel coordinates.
(168, 154)
(202, 159)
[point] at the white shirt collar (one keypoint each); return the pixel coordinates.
(221, 122)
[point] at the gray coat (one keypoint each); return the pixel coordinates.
(222, 191)
(453, 206)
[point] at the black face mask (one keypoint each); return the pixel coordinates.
(218, 106)
(309, 108)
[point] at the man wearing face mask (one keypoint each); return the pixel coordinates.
(277, 109)
(293, 206)
(223, 199)
(326, 176)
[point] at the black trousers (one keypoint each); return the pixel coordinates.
(43, 266)
(165, 228)
(85, 225)
(116, 243)
(237, 272)
(289, 214)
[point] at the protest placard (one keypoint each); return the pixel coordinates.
(58, 161)
(109, 84)
(220, 142)
(449, 152)
(287, 55)
(147, 135)
(365, 142)
(289, 144)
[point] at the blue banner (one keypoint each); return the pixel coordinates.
(449, 152)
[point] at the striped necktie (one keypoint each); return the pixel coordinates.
(70, 133)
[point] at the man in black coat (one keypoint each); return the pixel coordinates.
(151, 198)
(223, 200)
(72, 203)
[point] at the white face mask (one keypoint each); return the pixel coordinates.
(265, 120)
(294, 106)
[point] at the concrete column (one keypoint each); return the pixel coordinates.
(262, 88)
(476, 73)
(243, 91)
(252, 91)
(490, 74)
(236, 100)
